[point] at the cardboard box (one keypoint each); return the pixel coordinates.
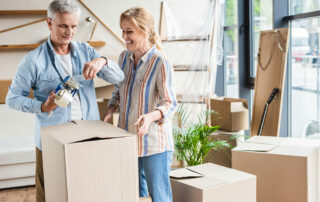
(209, 182)
(104, 92)
(103, 106)
(232, 114)
(223, 157)
(287, 169)
(4, 88)
(89, 161)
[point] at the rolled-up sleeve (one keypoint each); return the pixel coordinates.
(110, 72)
(167, 103)
(20, 88)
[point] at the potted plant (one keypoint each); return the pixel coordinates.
(193, 142)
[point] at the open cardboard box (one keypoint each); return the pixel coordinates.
(89, 161)
(210, 182)
(287, 169)
(232, 114)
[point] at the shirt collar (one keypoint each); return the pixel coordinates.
(146, 57)
(72, 47)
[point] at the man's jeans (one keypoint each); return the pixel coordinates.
(154, 176)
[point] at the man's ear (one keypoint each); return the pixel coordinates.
(49, 23)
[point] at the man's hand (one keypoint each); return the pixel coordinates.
(49, 104)
(108, 117)
(93, 67)
(145, 121)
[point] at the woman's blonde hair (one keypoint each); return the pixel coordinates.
(144, 20)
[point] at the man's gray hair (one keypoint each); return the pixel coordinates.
(61, 6)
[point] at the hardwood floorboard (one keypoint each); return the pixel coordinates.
(21, 194)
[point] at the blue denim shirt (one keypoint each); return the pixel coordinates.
(41, 71)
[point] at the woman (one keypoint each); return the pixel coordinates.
(147, 101)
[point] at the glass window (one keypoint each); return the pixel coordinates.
(303, 6)
(230, 44)
(305, 73)
(262, 20)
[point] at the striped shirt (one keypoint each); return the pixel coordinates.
(147, 87)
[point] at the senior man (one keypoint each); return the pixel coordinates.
(45, 67)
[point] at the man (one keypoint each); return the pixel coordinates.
(45, 67)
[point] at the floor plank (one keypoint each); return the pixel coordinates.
(22, 194)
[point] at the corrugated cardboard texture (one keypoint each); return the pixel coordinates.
(272, 77)
(286, 172)
(221, 157)
(227, 119)
(89, 161)
(103, 106)
(4, 88)
(104, 92)
(216, 185)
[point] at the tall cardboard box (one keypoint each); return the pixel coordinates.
(89, 161)
(232, 114)
(287, 169)
(209, 182)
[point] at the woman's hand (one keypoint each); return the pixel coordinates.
(108, 117)
(146, 119)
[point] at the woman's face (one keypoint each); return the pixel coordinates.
(135, 38)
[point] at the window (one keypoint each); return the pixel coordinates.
(262, 20)
(305, 74)
(303, 6)
(230, 44)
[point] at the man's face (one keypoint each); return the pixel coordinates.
(62, 27)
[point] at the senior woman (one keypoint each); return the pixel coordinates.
(147, 102)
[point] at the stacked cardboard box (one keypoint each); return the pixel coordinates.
(89, 161)
(223, 157)
(209, 182)
(103, 106)
(232, 114)
(287, 169)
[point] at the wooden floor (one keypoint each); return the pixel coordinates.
(21, 194)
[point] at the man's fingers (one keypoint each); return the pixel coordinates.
(86, 70)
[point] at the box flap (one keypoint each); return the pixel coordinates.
(220, 172)
(184, 173)
(85, 130)
(258, 147)
(238, 107)
(204, 183)
(266, 140)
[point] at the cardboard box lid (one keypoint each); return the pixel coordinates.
(85, 130)
(229, 101)
(213, 175)
(277, 145)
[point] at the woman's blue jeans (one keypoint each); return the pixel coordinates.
(154, 176)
